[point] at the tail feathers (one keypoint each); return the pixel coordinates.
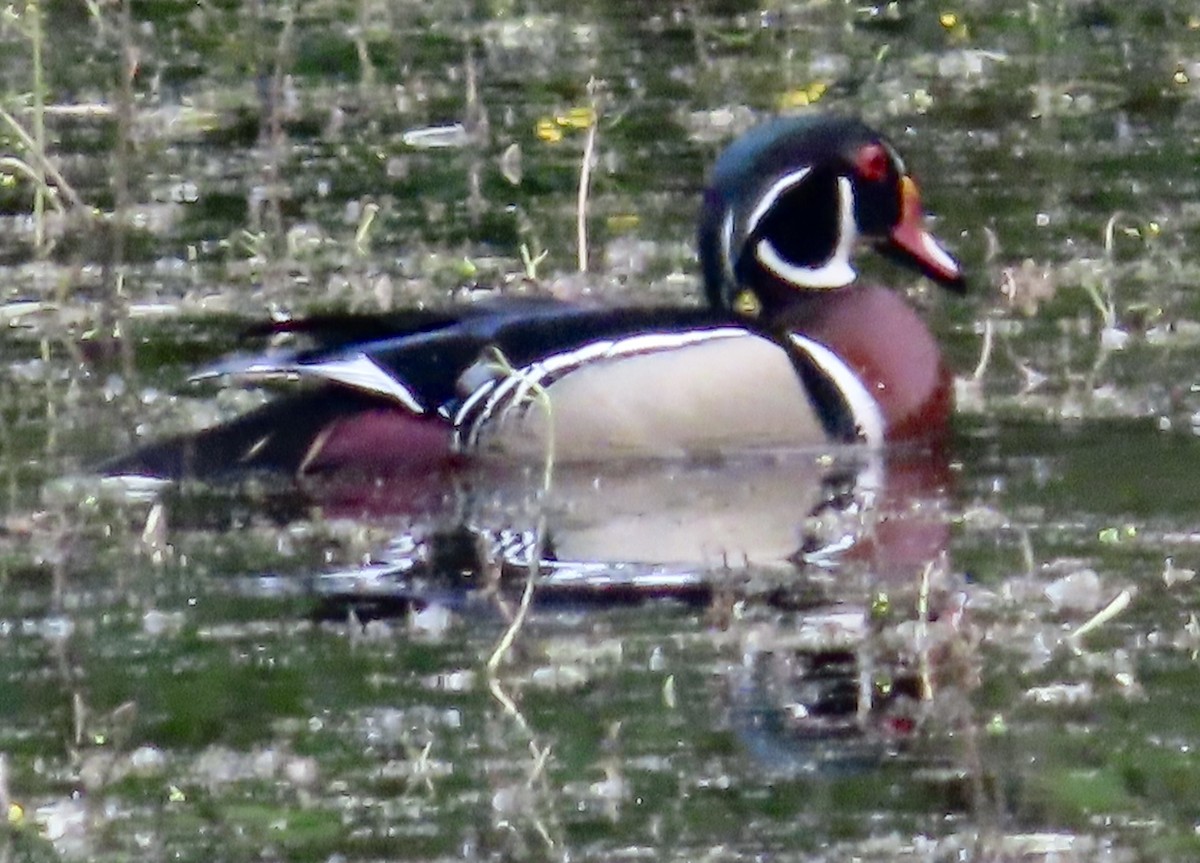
(280, 437)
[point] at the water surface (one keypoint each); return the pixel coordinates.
(169, 687)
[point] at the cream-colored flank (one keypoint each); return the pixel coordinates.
(717, 395)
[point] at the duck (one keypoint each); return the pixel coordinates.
(789, 350)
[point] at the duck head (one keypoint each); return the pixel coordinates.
(789, 202)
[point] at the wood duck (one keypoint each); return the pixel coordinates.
(790, 351)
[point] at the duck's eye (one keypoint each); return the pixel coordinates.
(871, 163)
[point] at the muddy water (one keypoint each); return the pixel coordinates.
(182, 676)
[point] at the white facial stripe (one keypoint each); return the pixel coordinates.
(727, 247)
(834, 273)
(771, 196)
(868, 416)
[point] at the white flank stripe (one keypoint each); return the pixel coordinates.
(863, 407)
(469, 402)
(537, 373)
(664, 341)
(495, 390)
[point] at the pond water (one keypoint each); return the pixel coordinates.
(1004, 668)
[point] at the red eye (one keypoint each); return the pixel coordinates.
(872, 163)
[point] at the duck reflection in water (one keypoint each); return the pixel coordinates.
(650, 529)
(802, 545)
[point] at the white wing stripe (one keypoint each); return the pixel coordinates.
(360, 372)
(357, 371)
